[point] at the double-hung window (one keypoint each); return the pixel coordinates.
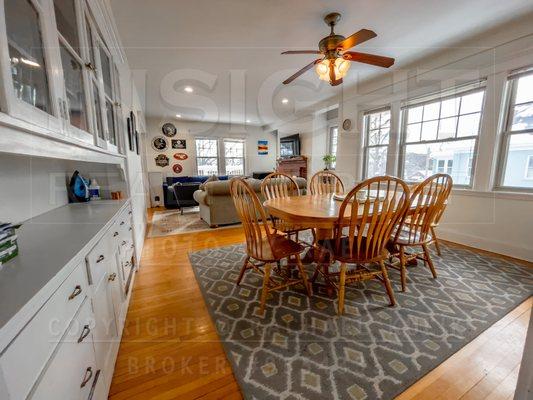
(517, 150)
(333, 140)
(376, 142)
(206, 156)
(440, 136)
(234, 156)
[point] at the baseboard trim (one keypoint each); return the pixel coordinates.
(494, 246)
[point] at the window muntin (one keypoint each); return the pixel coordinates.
(234, 156)
(207, 156)
(517, 148)
(377, 131)
(333, 141)
(442, 133)
(25, 45)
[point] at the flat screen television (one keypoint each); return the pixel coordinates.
(290, 146)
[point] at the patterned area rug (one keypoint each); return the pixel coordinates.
(171, 222)
(300, 349)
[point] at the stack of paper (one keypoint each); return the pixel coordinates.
(8, 242)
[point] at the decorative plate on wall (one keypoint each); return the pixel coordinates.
(169, 129)
(177, 168)
(347, 124)
(161, 160)
(180, 156)
(159, 143)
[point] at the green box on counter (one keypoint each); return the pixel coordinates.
(8, 243)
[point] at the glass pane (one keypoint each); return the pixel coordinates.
(66, 22)
(414, 114)
(333, 140)
(422, 160)
(373, 121)
(234, 166)
(431, 111)
(206, 148)
(472, 102)
(106, 73)
(385, 119)
(413, 133)
(233, 149)
(207, 166)
(522, 117)
(524, 91)
(28, 68)
(450, 107)
(110, 112)
(98, 112)
(519, 165)
(378, 136)
(429, 130)
(468, 125)
(90, 42)
(72, 73)
(376, 161)
(447, 127)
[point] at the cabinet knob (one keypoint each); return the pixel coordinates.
(87, 377)
(112, 276)
(84, 333)
(122, 223)
(90, 66)
(123, 242)
(115, 234)
(75, 292)
(101, 258)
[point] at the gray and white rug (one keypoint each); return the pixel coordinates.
(300, 349)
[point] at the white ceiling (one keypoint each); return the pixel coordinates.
(201, 43)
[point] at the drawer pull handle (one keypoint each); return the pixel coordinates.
(129, 212)
(93, 387)
(122, 223)
(115, 234)
(132, 246)
(112, 276)
(129, 229)
(123, 243)
(87, 377)
(84, 333)
(101, 258)
(76, 292)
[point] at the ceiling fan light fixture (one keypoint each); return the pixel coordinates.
(340, 69)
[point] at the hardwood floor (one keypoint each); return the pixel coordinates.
(170, 349)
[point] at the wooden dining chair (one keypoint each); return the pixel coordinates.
(278, 185)
(426, 206)
(367, 218)
(326, 182)
(264, 247)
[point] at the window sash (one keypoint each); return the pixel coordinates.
(200, 157)
(367, 147)
(226, 158)
(507, 133)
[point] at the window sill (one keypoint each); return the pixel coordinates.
(494, 194)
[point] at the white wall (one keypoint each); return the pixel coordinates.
(479, 217)
(188, 130)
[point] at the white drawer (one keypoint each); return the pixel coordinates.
(98, 258)
(72, 372)
(26, 356)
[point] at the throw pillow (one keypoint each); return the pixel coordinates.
(212, 178)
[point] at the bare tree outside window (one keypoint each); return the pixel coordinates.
(377, 132)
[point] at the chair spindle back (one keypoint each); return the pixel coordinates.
(326, 182)
(277, 185)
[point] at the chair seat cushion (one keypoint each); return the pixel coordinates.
(329, 252)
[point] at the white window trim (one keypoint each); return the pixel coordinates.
(196, 156)
(366, 131)
(223, 157)
(506, 133)
(455, 92)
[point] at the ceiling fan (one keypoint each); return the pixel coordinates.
(334, 64)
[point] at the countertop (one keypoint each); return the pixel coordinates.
(48, 243)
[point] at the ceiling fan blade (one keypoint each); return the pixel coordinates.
(357, 38)
(372, 59)
(302, 52)
(300, 72)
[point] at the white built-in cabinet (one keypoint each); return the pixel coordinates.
(68, 348)
(58, 72)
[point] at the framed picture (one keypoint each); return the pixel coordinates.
(179, 144)
(262, 147)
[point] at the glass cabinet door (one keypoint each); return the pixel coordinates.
(75, 93)
(29, 94)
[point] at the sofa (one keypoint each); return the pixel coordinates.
(185, 187)
(216, 204)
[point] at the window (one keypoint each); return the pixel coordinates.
(333, 140)
(377, 129)
(517, 148)
(441, 136)
(25, 44)
(234, 156)
(207, 156)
